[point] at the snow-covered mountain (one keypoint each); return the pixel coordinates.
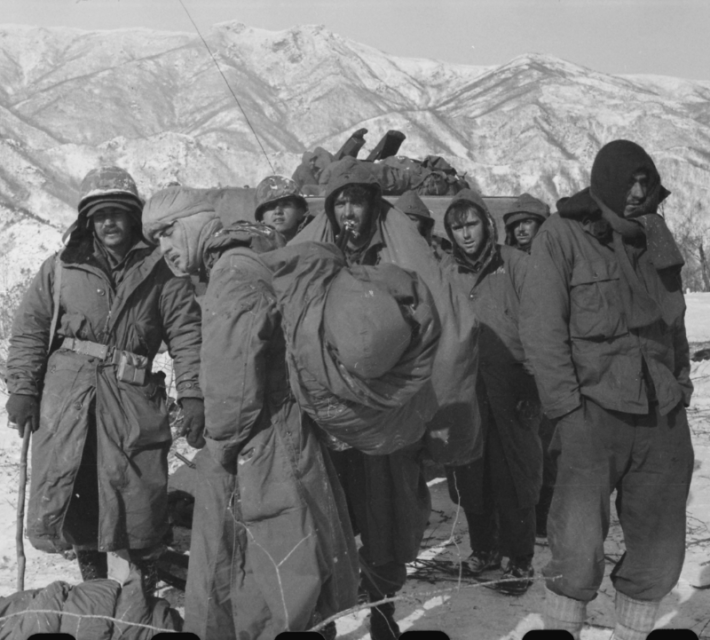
(155, 103)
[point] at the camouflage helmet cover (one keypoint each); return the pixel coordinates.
(273, 188)
(112, 182)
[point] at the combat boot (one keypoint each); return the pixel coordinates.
(382, 623)
(92, 564)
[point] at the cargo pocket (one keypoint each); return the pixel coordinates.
(595, 302)
(146, 412)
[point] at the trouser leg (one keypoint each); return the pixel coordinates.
(651, 503)
(81, 520)
(593, 451)
(516, 524)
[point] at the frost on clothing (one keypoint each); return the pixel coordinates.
(142, 305)
(272, 549)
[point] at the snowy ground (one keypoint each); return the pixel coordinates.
(436, 597)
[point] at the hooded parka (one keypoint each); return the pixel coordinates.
(133, 308)
(493, 285)
(602, 321)
(272, 548)
(388, 496)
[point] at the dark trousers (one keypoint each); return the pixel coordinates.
(389, 505)
(486, 491)
(81, 521)
(649, 461)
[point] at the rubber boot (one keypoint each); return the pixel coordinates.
(382, 622)
(564, 613)
(92, 564)
(634, 618)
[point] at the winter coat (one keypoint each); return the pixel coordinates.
(396, 240)
(94, 597)
(145, 305)
(493, 287)
(576, 335)
(272, 548)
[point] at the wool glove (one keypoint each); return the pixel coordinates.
(22, 410)
(193, 424)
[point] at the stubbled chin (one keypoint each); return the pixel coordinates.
(175, 268)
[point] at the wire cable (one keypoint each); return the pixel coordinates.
(234, 95)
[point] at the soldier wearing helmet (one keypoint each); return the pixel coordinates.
(280, 205)
(79, 376)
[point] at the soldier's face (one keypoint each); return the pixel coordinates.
(638, 190)
(470, 234)
(113, 227)
(173, 246)
(352, 214)
(284, 215)
(525, 230)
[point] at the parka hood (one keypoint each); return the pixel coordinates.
(612, 171)
(350, 173)
(476, 199)
(250, 235)
(411, 204)
(524, 208)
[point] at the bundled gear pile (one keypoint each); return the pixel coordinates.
(432, 176)
(396, 174)
(127, 604)
(377, 332)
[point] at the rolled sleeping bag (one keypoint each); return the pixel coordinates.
(360, 345)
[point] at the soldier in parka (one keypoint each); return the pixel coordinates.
(99, 415)
(523, 220)
(499, 491)
(272, 549)
(413, 206)
(387, 495)
(602, 321)
(280, 205)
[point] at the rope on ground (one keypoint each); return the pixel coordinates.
(55, 612)
(416, 597)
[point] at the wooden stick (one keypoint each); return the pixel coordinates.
(19, 540)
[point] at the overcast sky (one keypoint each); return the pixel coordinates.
(665, 37)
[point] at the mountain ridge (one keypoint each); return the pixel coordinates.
(153, 102)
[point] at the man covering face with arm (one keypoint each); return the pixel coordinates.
(602, 322)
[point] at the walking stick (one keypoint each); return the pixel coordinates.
(19, 541)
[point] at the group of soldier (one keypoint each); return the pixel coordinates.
(331, 357)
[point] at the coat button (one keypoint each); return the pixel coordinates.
(101, 292)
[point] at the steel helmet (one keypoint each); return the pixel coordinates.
(108, 182)
(273, 188)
